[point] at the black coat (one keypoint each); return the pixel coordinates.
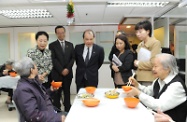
(91, 69)
(127, 60)
(61, 60)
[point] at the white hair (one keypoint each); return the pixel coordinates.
(23, 66)
(9, 62)
(168, 61)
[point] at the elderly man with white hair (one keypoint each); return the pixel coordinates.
(167, 93)
(31, 97)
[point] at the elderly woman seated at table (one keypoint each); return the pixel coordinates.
(31, 98)
(168, 92)
(5, 69)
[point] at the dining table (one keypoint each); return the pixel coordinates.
(108, 110)
(9, 81)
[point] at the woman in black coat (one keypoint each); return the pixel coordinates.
(125, 55)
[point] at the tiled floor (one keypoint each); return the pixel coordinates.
(11, 116)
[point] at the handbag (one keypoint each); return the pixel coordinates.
(118, 79)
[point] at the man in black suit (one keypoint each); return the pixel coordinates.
(63, 59)
(89, 57)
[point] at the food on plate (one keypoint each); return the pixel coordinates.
(112, 94)
(85, 95)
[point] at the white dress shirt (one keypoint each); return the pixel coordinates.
(173, 96)
(61, 41)
(86, 50)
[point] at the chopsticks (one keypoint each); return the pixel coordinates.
(156, 113)
(133, 74)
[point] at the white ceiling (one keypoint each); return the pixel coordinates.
(90, 12)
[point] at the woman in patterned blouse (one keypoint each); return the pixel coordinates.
(42, 57)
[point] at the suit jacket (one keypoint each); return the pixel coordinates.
(61, 60)
(127, 64)
(91, 69)
(144, 71)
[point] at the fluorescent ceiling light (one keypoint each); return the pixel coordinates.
(47, 1)
(26, 13)
(182, 3)
(136, 4)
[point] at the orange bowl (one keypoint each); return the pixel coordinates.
(90, 89)
(126, 88)
(91, 102)
(13, 74)
(131, 102)
(56, 84)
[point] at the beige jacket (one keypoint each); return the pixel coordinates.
(144, 71)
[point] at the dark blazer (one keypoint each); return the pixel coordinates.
(95, 62)
(61, 60)
(127, 60)
(33, 102)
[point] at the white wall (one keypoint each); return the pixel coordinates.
(165, 24)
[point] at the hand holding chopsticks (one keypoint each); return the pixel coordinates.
(130, 81)
(160, 117)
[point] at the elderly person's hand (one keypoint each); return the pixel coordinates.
(5, 72)
(115, 68)
(133, 92)
(53, 89)
(161, 117)
(134, 82)
(63, 118)
(65, 72)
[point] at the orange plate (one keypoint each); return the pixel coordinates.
(131, 102)
(56, 84)
(126, 88)
(91, 102)
(13, 74)
(90, 89)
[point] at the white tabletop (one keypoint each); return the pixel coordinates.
(109, 110)
(8, 81)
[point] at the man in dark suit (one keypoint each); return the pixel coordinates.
(63, 59)
(89, 57)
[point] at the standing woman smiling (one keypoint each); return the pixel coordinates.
(42, 57)
(125, 55)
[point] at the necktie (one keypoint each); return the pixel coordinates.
(63, 46)
(87, 57)
(156, 89)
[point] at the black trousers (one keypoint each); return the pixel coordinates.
(10, 91)
(84, 83)
(58, 95)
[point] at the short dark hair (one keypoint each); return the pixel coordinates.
(124, 39)
(39, 33)
(89, 30)
(144, 25)
(59, 26)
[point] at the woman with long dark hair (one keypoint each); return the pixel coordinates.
(125, 55)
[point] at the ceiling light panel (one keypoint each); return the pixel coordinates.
(26, 13)
(136, 4)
